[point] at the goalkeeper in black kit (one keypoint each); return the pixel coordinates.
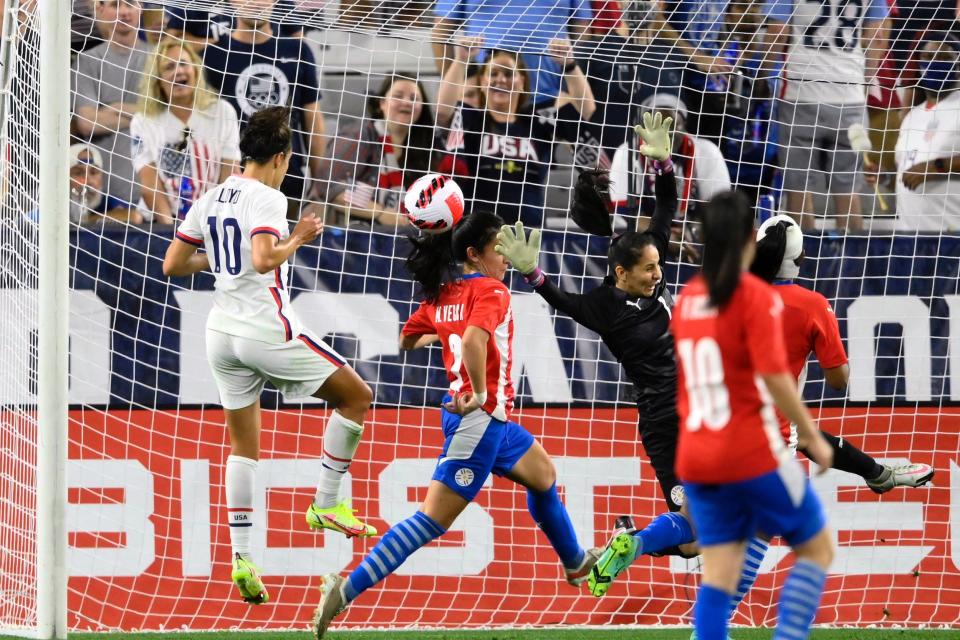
(631, 313)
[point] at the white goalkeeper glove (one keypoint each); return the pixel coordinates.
(521, 250)
(655, 132)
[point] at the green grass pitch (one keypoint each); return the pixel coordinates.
(532, 634)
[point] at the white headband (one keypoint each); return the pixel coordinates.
(789, 269)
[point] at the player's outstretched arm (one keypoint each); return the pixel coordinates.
(182, 259)
(657, 145)
(523, 252)
(269, 253)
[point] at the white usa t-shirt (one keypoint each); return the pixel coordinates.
(224, 221)
(929, 133)
(825, 59)
(187, 155)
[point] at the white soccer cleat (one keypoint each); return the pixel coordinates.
(907, 475)
(332, 604)
(575, 577)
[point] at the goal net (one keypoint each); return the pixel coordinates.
(366, 81)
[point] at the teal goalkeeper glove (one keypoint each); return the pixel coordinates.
(522, 251)
(655, 132)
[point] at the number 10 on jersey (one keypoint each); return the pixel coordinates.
(231, 244)
(707, 394)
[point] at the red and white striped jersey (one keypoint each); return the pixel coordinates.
(224, 221)
(728, 424)
(479, 301)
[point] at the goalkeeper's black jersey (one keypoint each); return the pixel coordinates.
(636, 330)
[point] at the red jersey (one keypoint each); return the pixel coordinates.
(728, 424)
(809, 325)
(478, 301)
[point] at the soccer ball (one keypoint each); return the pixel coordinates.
(434, 203)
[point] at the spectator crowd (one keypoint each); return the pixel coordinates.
(767, 97)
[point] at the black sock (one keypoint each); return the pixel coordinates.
(847, 457)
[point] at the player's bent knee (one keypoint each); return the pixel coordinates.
(544, 477)
(364, 397)
(535, 470)
(818, 550)
(348, 393)
(689, 550)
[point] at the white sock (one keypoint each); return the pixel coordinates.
(241, 477)
(341, 437)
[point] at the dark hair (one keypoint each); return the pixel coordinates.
(521, 67)
(267, 133)
(416, 153)
(770, 251)
(626, 250)
(433, 259)
(727, 225)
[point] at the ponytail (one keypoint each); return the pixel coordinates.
(430, 262)
(727, 226)
(770, 252)
(433, 259)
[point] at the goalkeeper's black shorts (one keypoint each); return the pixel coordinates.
(659, 439)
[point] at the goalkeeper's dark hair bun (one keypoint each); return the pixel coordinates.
(590, 206)
(267, 133)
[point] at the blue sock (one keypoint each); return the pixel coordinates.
(552, 517)
(667, 530)
(394, 548)
(799, 601)
(710, 613)
(756, 550)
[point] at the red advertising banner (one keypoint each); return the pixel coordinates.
(150, 547)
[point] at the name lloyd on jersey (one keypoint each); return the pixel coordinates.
(229, 196)
(147, 501)
(449, 313)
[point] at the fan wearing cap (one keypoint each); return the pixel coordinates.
(88, 202)
(698, 164)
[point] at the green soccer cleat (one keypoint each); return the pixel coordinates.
(339, 518)
(618, 555)
(332, 604)
(247, 579)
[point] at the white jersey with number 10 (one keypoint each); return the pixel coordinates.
(224, 221)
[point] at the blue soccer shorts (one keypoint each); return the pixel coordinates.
(780, 503)
(474, 446)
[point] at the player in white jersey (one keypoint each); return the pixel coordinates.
(833, 49)
(253, 334)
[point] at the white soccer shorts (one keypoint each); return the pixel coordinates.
(242, 366)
